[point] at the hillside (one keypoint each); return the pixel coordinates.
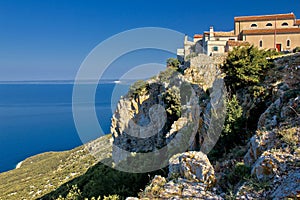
(43, 173)
(254, 155)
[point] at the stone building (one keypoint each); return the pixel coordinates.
(214, 42)
(280, 31)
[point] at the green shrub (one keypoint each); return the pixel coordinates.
(246, 66)
(297, 49)
(233, 123)
(172, 100)
(140, 87)
(166, 75)
(173, 62)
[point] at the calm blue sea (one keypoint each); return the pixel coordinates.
(36, 117)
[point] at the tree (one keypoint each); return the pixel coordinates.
(246, 66)
(173, 62)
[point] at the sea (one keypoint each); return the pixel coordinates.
(36, 117)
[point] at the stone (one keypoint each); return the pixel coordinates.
(259, 143)
(289, 188)
(265, 167)
(193, 166)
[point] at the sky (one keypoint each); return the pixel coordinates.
(49, 39)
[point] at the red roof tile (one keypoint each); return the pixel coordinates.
(297, 23)
(265, 17)
(270, 31)
(198, 36)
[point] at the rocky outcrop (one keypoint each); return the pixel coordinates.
(190, 177)
(180, 188)
(270, 167)
(274, 151)
(170, 115)
(289, 188)
(165, 116)
(193, 166)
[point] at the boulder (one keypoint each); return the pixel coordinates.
(193, 166)
(265, 167)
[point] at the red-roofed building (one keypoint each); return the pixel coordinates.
(280, 31)
(214, 42)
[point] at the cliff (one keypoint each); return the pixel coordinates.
(169, 114)
(179, 115)
(267, 167)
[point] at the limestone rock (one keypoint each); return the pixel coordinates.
(193, 166)
(268, 119)
(289, 188)
(177, 189)
(260, 142)
(265, 167)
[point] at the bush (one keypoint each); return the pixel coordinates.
(166, 75)
(173, 62)
(233, 122)
(173, 105)
(246, 66)
(138, 88)
(240, 173)
(297, 49)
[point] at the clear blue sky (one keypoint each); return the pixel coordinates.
(48, 39)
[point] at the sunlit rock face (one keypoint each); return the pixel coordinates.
(172, 113)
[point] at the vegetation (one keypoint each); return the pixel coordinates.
(297, 49)
(45, 172)
(165, 76)
(105, 182)
(173, 62)
(245, 69)
(140, 87)
(233, 121)
(246, 66)
(289, 136)
(172, 100)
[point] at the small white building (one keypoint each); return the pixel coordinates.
(214, 43)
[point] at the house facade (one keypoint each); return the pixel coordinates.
(280, 32)
(214, 42)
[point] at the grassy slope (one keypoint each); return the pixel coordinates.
(43, 173)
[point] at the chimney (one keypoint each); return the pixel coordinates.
(185, 38)
(211, 32)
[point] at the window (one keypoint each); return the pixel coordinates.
(269, 24)
(253, 25)
(215, 48)
(284, 24)
(288, 43)
(260, 43)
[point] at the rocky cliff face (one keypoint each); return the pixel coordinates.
(170, 114)
(271, 157)
(274, 151)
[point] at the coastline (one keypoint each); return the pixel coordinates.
(19, 165)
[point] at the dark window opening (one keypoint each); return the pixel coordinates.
(288, 43)
(260, 43)
(253, 25)
(284, 24)
(215, 48)
(269, 24)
